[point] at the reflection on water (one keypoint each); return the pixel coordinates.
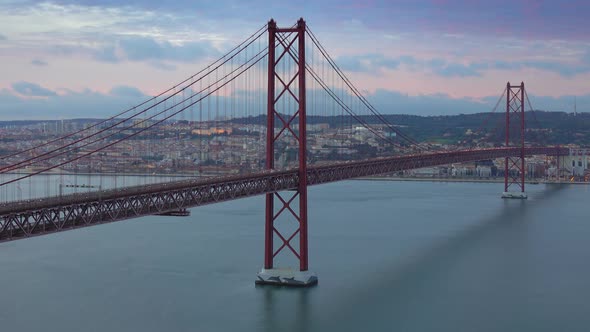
(285, 308)
(386, 289)
(421, 257)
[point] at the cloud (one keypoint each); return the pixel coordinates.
(505, 65)
(126, 91)
(563, 69)
(67, 104)
(442, 68)
(367, 63)
(162, 65)
(144, 48)
(93, 104)
(111, 32)
(375, 63)
(537, 19)
(563, 103)
(105, 54)
(115, 49)
(566, 70)
(38, 62)
(7, 98)
(351, 63)
(32, 90)
(394, 102)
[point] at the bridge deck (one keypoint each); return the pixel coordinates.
(27, 218)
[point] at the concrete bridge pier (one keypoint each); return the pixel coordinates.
(514, 194)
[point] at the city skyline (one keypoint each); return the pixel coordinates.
(64, 59)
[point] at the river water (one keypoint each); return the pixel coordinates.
(390, 256)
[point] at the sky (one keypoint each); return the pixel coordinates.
(90, 58)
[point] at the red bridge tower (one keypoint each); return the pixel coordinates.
(283, 44)
(514, 166)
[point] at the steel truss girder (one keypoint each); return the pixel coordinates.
(29, 218)
(24, 219)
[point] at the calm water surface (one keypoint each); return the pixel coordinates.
(390, 256)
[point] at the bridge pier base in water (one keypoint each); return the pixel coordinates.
(516, 195)
(286, 277)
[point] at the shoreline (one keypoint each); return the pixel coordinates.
(497, 180)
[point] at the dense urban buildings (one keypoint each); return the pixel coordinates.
(226, 147)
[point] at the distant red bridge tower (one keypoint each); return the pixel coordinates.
(514, 167)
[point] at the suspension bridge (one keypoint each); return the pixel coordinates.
(251, 112)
